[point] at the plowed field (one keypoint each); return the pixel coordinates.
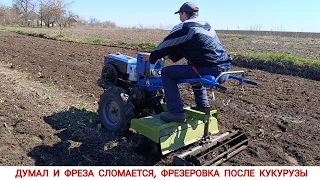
(48, 102)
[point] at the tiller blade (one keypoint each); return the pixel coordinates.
(213, 152)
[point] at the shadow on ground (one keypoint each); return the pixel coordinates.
(84, 142)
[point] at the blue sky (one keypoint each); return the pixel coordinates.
(285, 15)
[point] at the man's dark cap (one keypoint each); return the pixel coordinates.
(188, 7)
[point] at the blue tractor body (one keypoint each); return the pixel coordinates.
(133, 98)
(141, 73)
(148, 76)
(121, 61)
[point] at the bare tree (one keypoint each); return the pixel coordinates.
(109, 24)
(42, 5)
(81, 21)
(60, 9)
(71, 18)
(25, 7)
(3, 14)
(8, 16)
(94, 21)
(47, 12)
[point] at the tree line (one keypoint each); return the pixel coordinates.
(41, 13)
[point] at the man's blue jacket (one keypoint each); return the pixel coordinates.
(195, 41)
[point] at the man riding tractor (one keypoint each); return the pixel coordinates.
(196, 41)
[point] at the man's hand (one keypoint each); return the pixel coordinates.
(146, 57)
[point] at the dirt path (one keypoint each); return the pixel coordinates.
(48, 98)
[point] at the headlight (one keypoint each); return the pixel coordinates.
(155, 72)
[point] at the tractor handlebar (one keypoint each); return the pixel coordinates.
(240, 79)
(221, 87)
(250, 82)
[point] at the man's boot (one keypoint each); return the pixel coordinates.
(173, 117)
(202, 109)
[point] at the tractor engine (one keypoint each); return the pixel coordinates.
(141, 80)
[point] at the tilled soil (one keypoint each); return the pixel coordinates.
(48, 102)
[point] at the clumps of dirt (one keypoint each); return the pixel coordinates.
(83, 142)
(49, 118)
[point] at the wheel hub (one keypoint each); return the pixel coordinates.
(112, 112)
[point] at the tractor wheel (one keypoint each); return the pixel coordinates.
(115, 110)
(110, 74)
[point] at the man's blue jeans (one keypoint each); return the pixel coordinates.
(171, 74)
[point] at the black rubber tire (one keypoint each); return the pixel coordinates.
(117, 100)
(113, 73)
